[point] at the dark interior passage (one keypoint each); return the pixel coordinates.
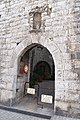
(41, 72)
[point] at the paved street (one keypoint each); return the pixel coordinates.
(7, 115)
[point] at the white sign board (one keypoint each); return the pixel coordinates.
(46, 98)
(31, 91)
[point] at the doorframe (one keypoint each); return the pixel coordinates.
(53, 48)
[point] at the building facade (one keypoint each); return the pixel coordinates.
(33, 31)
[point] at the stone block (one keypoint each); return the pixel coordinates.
(69, 75)
(10, 71)
(52, 15)
(9, 86)
(5, 95)
(62, 105)
(4, 70)
(78, 55)
(77, 64)
(60, 95)
(67, 65)
(2, 86)
(77, 47)
(66, 56)
(71, 97)
(47, 28)
(60, 65)
(10, 52)
(73, 56)
(59, 73)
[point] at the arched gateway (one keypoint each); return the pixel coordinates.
(54, 53)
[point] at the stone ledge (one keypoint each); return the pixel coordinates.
(35, 30)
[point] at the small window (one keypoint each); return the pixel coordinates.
(37, 20)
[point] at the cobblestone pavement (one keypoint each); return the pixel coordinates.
(7, 115)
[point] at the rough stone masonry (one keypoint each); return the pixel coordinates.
(54, 24)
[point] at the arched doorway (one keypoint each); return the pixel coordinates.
(25, 46)
(41, 72)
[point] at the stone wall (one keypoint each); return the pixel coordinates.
(59, 33)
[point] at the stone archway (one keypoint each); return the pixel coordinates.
(53, 49)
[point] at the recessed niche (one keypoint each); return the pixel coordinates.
(37, 20)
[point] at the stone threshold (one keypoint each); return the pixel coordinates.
(24, 112)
